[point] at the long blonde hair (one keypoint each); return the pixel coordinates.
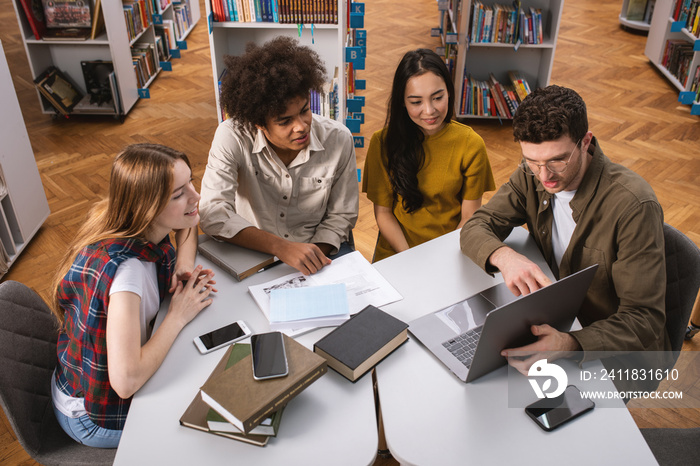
(140, 187)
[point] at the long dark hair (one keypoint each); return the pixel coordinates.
(403, 139)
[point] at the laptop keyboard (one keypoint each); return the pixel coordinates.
(464, 345)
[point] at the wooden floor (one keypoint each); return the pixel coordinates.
(632, 109)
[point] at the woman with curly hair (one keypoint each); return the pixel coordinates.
(110, 286)
(280, 179)
(424, 172)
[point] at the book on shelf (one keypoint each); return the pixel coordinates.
(67, 14)
(98, 20)
(309, 306)
(520, 84)
(246, 402)
(34, 12)
(275, 11)
(58, 90)
(362, 342)
(237, 261)
(195, 416)
(115, 93)
(96, 75)
(63, 34)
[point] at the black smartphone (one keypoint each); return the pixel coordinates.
(550, 413)
(269, 357)
(221, 337)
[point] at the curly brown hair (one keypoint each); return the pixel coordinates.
(549, 113)
(260, 83)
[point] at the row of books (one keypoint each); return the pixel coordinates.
(65, 20)
(159, 6)
(688, 11)
(695, 84)
(146, 63)
(276, 11)
(138, 15)
(100, 82)
(182, 14)
(505, 24)
(491, 98)
(677, 59)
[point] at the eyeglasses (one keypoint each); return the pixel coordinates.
(554, 166)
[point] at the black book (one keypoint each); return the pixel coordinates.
(362, 342)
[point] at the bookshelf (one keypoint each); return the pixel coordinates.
(480, 59)
(328, 40)
(636, 14)
(23, 205)
(113, 43)
(682, 70)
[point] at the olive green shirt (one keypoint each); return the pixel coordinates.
(619, 226)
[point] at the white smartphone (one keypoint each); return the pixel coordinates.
(221, 337)
(269, 356)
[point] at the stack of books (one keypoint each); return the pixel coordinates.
(232, 404)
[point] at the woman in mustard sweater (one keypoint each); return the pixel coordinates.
(424, 172)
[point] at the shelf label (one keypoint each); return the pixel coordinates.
(174, 53)
(359, 141)
(442, 5)
(359, 64)
(166, 66)
(181, 44)
(357, 21)
(359, 175)
(686, 97)
(440, 51)
(354, 104)
(210, 20)
(353, 125)
(361, 38)
(695, 109)
(696, 46)
(358, 8)
(360, 84)
(355, 53)
(435, 32)
(677, 26)
(451, 38)
(144, 93)
(157, 19)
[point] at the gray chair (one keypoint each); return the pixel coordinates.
(682, 283)
(677, 446)
(28, 336)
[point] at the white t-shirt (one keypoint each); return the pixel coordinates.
(563, 225)
(132, 275)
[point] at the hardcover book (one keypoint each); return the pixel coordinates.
(362, 342)
(68, 14)
(236, 260)
(195, 416)
(58, 90)
(246, 402)
(34, 11)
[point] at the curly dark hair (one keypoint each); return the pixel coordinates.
(403, 139)
(549, 113)
(260, 83)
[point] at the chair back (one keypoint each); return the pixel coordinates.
(28, 336)
(682, 283)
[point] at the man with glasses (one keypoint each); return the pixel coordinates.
(581, 209)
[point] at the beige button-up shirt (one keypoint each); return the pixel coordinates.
(313, 200)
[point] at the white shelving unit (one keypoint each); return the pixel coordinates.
(23, 205)
(664, 28)
(230, 38)
(637, 24)
(534, 61)
(112, 44)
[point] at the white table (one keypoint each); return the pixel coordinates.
(331, 422)
(431, 417)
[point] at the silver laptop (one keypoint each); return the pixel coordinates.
(468, 337)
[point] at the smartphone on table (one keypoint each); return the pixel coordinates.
(223, 336)
(550, 413)
(269, 356)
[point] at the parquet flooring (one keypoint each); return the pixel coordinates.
(632, 109)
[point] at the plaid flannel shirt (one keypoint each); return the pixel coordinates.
(82, 344)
